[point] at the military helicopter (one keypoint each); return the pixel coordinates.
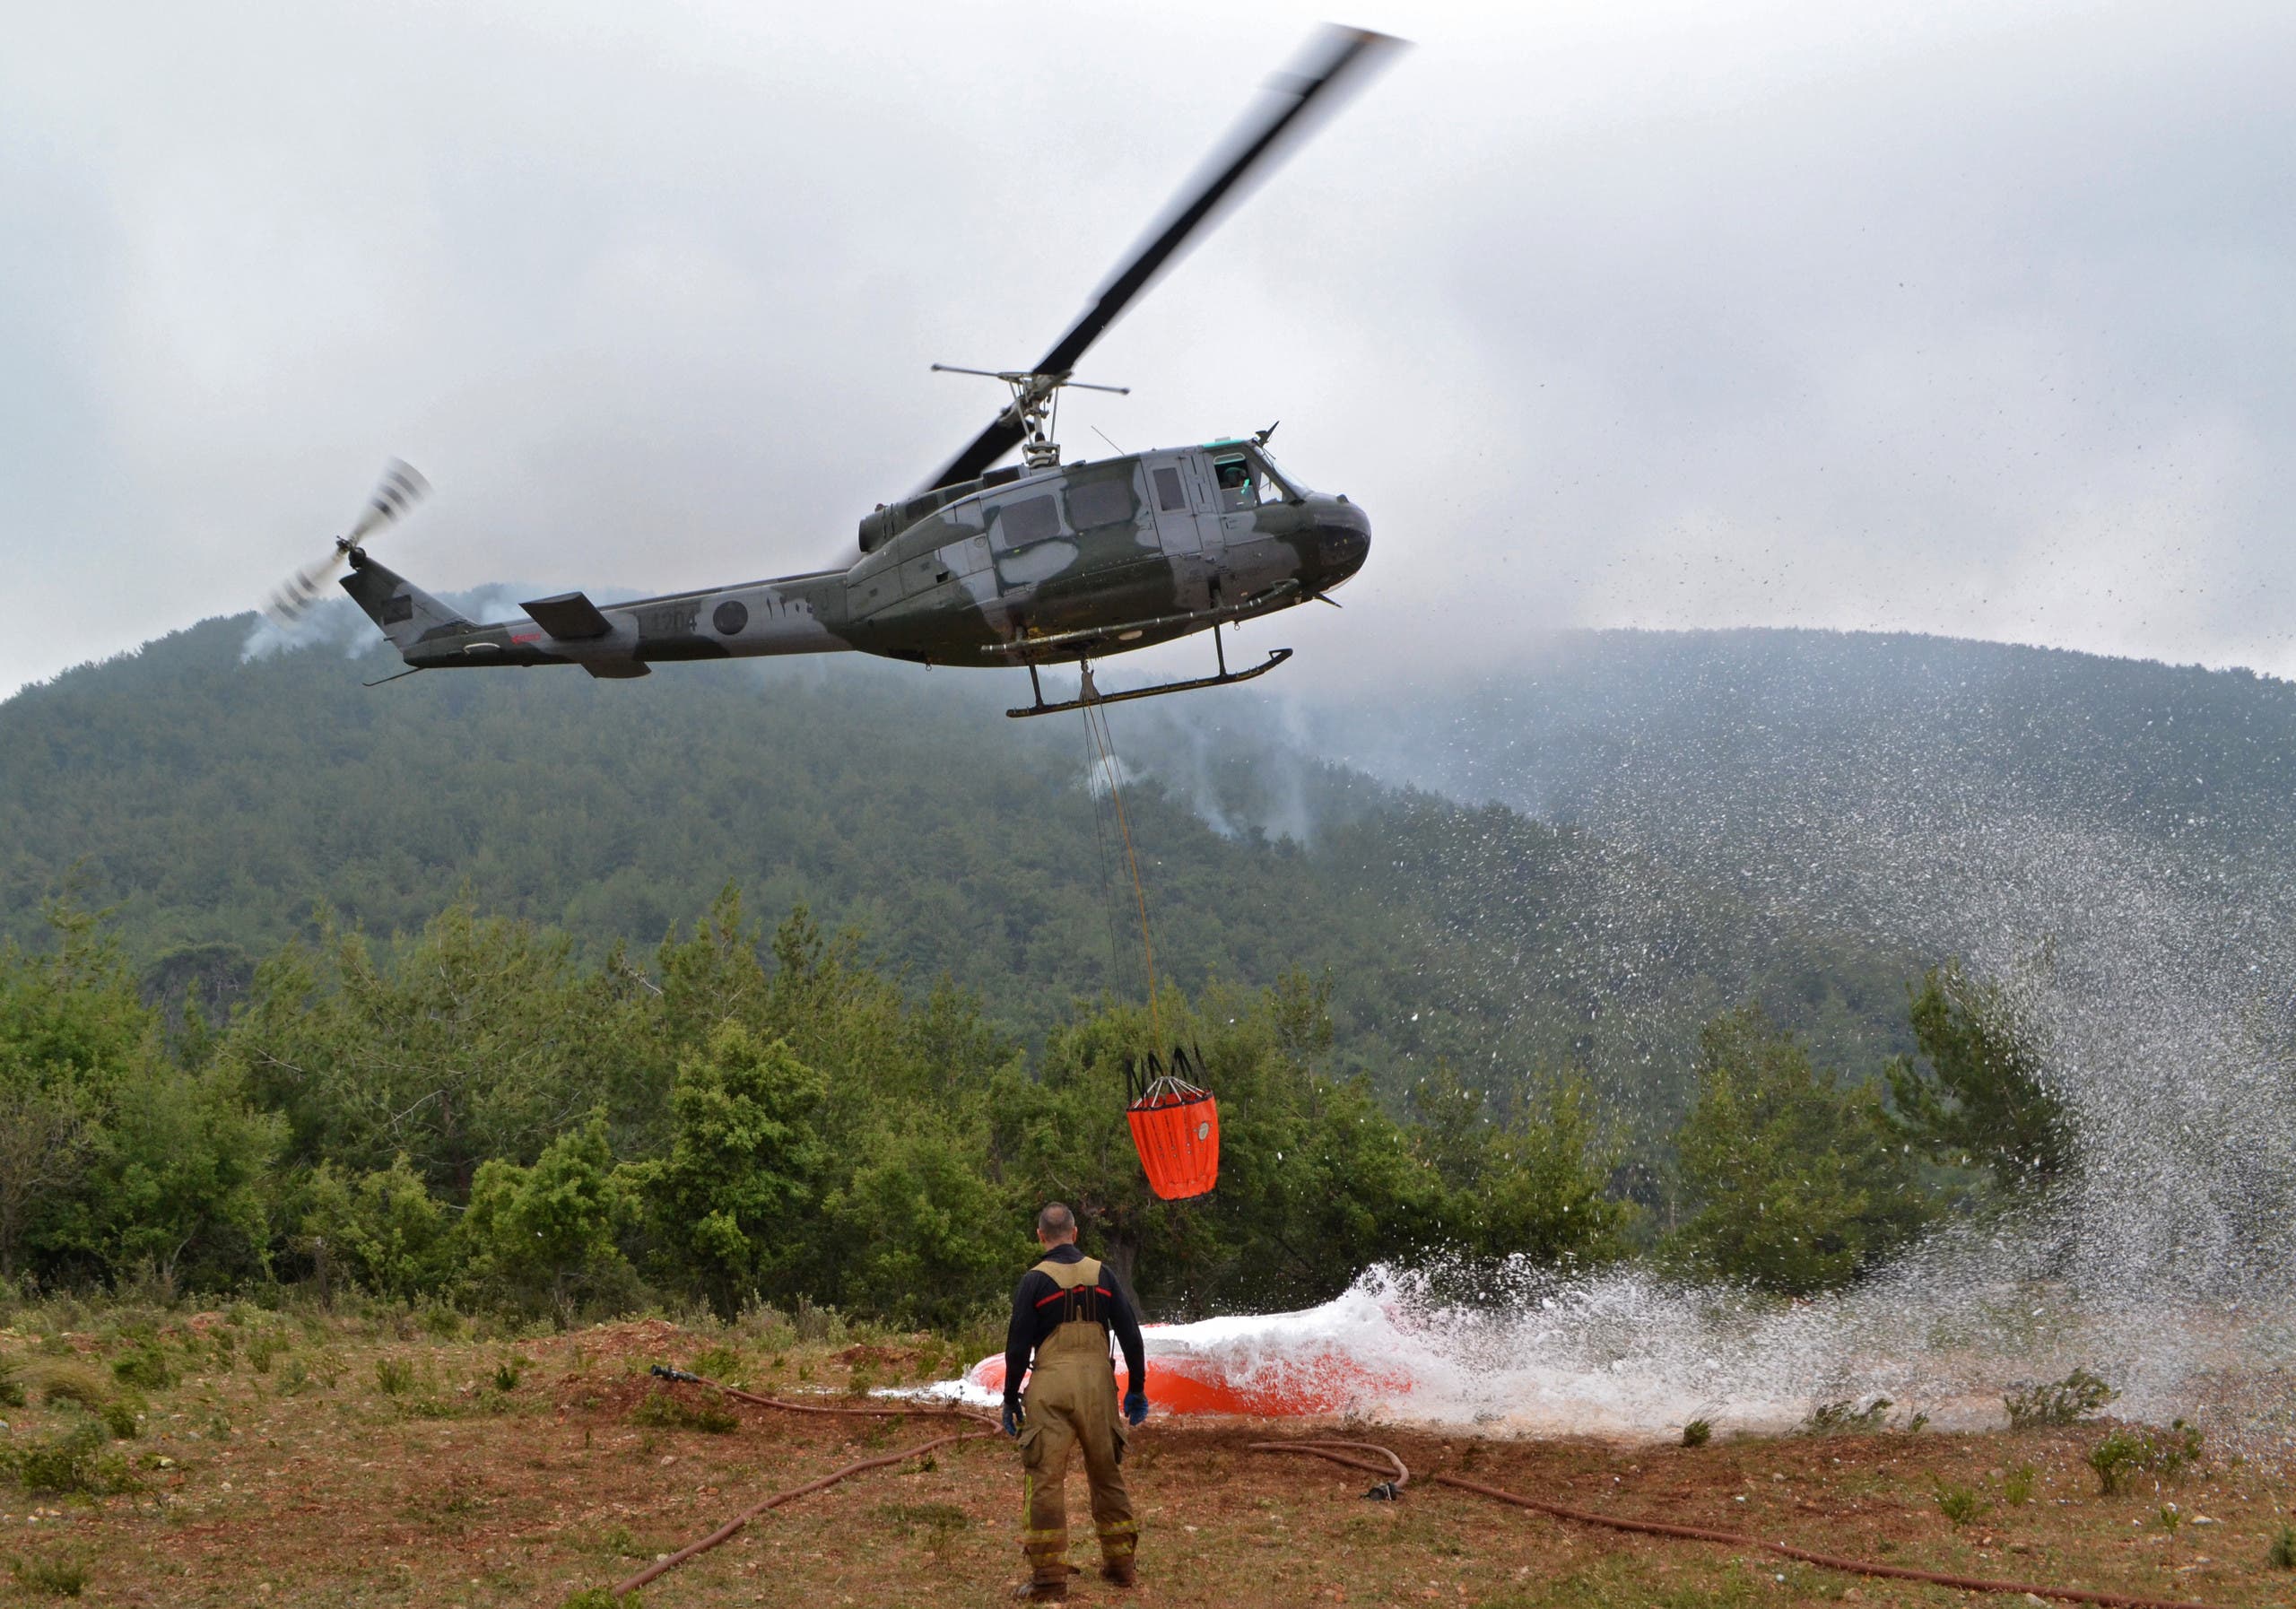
(1030, 564)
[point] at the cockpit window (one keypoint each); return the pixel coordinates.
(1245, 481)
(1238, 484)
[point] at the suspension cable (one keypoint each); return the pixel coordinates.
(1096, 724)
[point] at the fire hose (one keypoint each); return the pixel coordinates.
(732, 1527)
(1652, 1528)
(1396, 1476)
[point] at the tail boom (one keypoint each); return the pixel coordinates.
(794, 615)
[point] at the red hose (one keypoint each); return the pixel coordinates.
(726, 1532)
(1652, 1528)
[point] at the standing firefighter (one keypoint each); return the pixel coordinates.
(1062, 1315)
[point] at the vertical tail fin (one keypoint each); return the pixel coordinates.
(407, 613)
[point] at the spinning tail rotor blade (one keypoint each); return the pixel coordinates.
(300, 590)
(399, 489)
(401, 485)
(1336, 59)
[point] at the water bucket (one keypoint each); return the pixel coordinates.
(1176, 1129)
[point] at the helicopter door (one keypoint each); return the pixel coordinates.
(1177, 530)
(1187, 526)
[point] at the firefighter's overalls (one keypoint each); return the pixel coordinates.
(1069, 1406)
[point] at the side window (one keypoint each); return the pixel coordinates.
(1099, 503)
(1169, 497)
(1031, 519)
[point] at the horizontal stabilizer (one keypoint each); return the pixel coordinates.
(569, 616)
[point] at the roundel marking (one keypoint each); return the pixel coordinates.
(730, 617)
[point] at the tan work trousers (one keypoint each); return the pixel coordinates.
(1071, 1407)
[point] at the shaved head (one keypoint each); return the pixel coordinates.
(1056, 1223)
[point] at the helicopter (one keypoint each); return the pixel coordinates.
(1030, 564)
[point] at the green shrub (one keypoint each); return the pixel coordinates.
(2282, 1553)
(938, 1522)
(2017, 1487)
(394, 1376)
(1697, 1433)
(600, 1597)
(145, 1367)
(11, 1389)
(72, 1461)
(56, 1578)
(74, 1386)
(262, 1349)
(2078, 1396)
(666, 1409)
(2129, 1453)
(1959, 1504)
(507, 1374)
(717, 1364)
(615, 1541)
(1845, 1418)
(122, 1417)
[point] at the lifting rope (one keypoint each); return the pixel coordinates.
(1100, 744)
(1175, 1121)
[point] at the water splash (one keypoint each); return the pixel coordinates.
(2080, 846)
(1624, 1356)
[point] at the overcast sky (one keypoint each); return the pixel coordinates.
(1970, 318)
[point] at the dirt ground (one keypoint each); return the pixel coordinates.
(310, 1461)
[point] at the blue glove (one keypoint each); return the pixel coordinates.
(1013, 1417)
(1136, 1406)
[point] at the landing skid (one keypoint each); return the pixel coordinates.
(1090, 694)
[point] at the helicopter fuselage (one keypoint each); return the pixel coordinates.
(1023, 567)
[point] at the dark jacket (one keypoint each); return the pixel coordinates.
(1036, 1313)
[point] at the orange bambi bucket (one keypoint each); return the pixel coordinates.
(1176, 1129)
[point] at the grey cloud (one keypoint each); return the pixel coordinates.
(1920, 317)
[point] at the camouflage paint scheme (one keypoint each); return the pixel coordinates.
(1019, 567)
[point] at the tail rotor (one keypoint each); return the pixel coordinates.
(400, 487)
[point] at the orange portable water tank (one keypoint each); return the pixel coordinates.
(1176, 1129)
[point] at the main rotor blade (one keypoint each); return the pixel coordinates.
(1335, 54)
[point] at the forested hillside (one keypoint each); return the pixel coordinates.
(219, 805)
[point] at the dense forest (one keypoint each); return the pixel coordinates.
(477, 1116)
